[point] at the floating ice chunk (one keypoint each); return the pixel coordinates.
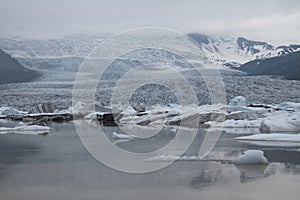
(240, 115)
(290, 106)
(6, 123)
(173, 112)
(272, 137)
(238, 101)
(235, 108)
(129, 111)
(32, 130)
(121, 136)
(10, 111)
(138, 107)
(236, 123)
(251, 157)
(85, 108)
(92, 116)
(194, 119)
(75, 109)
(282, 122)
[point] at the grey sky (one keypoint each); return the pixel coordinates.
(256, 19)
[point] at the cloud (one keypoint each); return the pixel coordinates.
(269, 19)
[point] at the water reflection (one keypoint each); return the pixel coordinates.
(59, 166)
(248, 173)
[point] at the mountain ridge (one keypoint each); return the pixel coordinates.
(11, 71)
(228, 52)
(287, 66)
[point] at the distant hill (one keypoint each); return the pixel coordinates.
(11, 71)
(287, 66)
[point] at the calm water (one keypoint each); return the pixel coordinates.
(57, 166)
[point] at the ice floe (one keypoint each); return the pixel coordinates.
(10, 111)
(238, 101)
(265, 118)
(236, 123)
(290, 106)
(281, 122)
(251, 157)
(242, 115)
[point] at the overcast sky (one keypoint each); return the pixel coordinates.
(269, 20)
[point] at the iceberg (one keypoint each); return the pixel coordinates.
(290, 106)
(238, 101)
(236, 123)
(251, 157)
(10, 111)
(240, 115)
(281, 122)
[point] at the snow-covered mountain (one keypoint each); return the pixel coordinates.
(232, 52)
(67, 53)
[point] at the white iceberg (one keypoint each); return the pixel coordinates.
(30, 130)
(251, 157)
(238, 101)
(281, 122)
(240, 115)
(290, 106)
(10, 111)
(236, 123)
(77, 108)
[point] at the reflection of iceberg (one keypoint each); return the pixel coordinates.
(162, 158)
(31, 130)
(276, 137)
(271, 143)
(252, 172)
(122, 136)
